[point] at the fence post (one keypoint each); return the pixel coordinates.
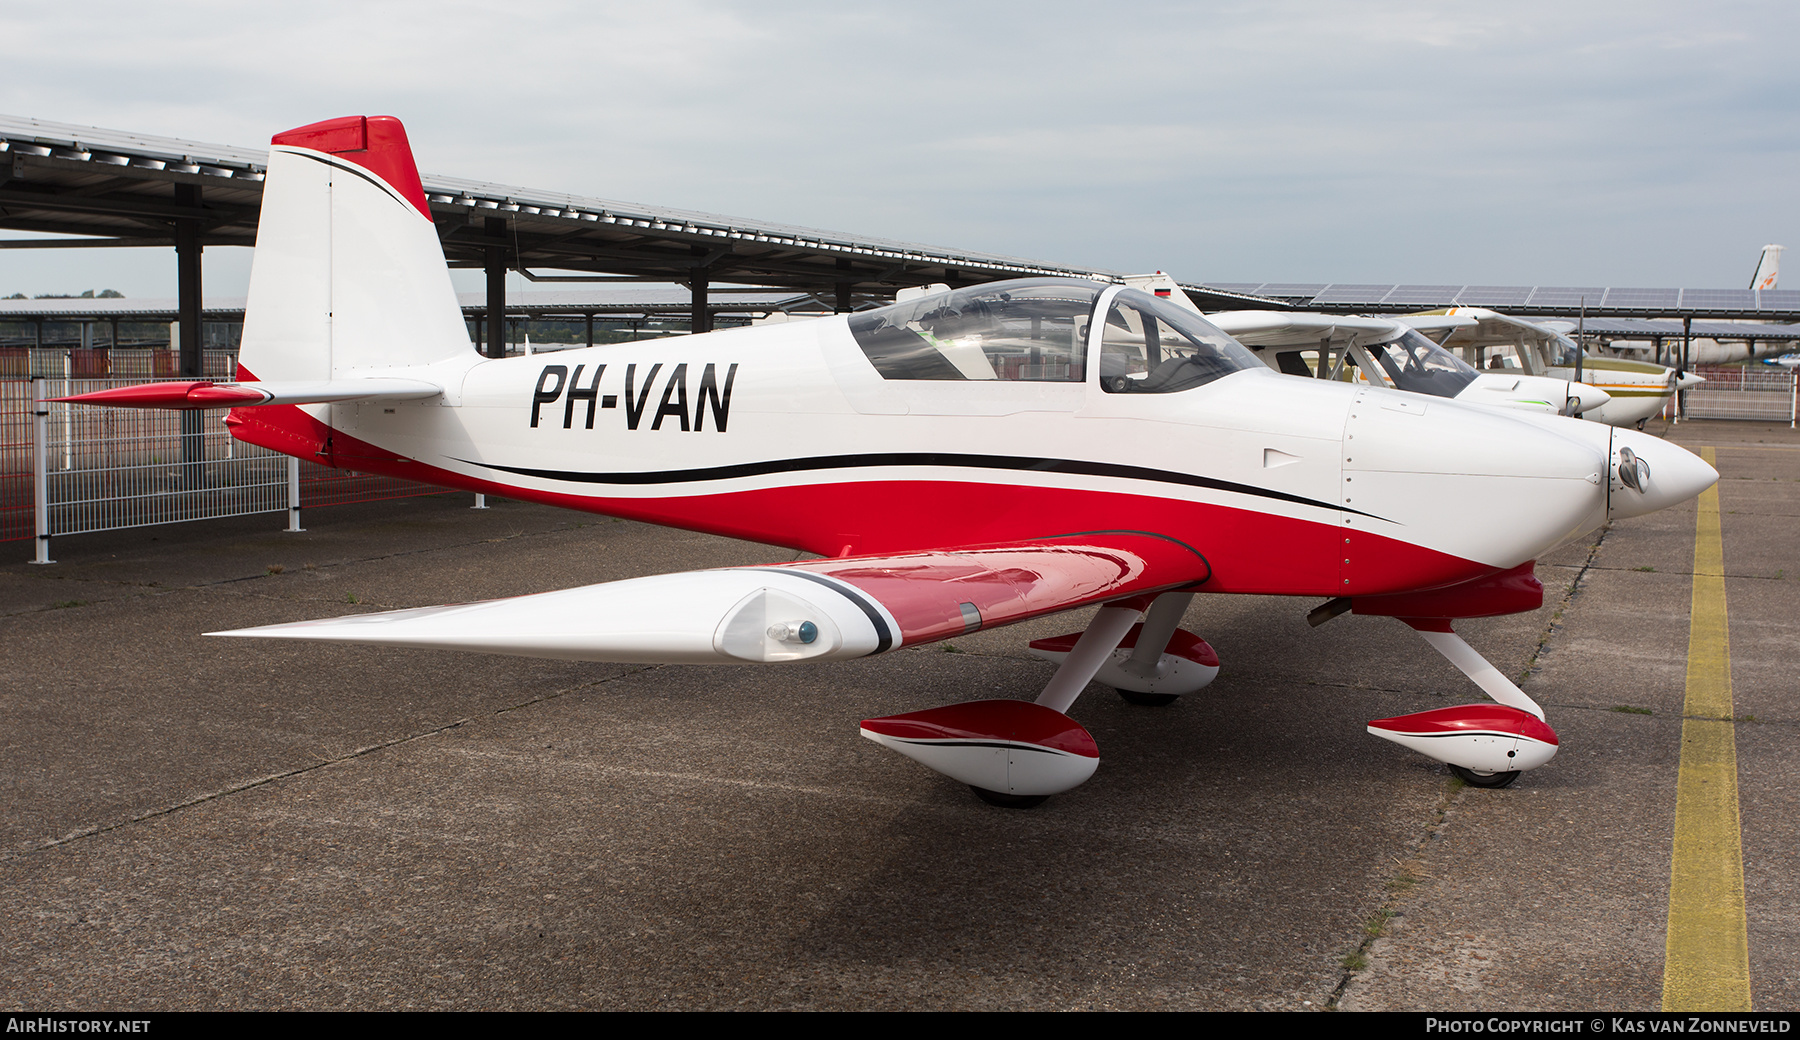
(480, 502)
(294, 494)
(40, 465)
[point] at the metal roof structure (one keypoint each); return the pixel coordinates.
(1639, 329)
(1545, 300)
(118, 188)
(569, 303)
(78, 180)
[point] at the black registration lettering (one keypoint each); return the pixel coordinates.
(678, 406)
(577, 392)
(709, 392)
(634, 401)
(546, 393)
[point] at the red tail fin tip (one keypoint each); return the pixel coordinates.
(376, 143)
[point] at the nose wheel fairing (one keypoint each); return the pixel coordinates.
(1485, 739)
(1486, 744)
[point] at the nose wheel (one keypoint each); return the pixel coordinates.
(1149, 700)
(1009, 801)
(1477, 778)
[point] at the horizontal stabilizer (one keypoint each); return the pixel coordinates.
(183, 395)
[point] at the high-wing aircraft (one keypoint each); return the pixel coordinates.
(1386, 352)
(956, 460)
(1381, 351)
(1500, 342)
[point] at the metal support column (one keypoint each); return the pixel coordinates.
(187, 314)
(496, 286)
(1687, 335)
(40, 468)
(700, 320)
(844, 285)
(294, 494)
(590, 328)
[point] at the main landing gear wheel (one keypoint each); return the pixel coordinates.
(1149, 700)
(1009, 801)
(1488, 780)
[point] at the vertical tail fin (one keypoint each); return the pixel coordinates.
(1768, 268)
(1162, 285)
(348, 272)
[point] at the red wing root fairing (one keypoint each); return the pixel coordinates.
(962, 459)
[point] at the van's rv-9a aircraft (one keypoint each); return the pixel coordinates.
(956, 459)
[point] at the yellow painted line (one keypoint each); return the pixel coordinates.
(1707, 963)
(1747, 447)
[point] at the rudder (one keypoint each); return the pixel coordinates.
(348, 274)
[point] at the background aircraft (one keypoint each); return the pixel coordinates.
(958, 460)
(1383, 351)
(1768, 268)
(1493, 341)
(1707, 350)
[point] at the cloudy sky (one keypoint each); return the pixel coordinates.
(1599, 143)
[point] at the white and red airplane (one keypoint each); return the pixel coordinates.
(956, 459)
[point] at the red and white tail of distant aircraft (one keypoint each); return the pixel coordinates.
(1768, 268)
(957, 460)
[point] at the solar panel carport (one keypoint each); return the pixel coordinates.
(117, 188)
(1551, 301)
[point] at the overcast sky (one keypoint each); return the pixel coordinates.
(1603, 143)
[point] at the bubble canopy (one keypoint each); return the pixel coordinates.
(1032, 329)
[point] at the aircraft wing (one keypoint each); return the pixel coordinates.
(1289, 329)
(1480, 327)
(184, 395)
(817, 609)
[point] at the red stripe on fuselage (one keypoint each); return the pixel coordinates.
(1250, 551)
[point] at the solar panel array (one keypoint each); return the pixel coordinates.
(1534, 299)
(1644, 329)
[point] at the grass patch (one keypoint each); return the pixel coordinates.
(275, 568)
(1377, 924)
(950, 648)
(1627, 709)
(1646, 570)
(1355, 961)
(67, 603)
(350, 598)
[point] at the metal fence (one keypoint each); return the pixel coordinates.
(72, 469)
(1765, 392)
